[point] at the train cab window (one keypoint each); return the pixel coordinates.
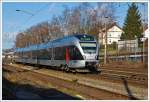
(88, 48)
(85, 37)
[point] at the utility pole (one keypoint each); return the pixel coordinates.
(143, 40)
(105, 53)
(143, 51)
(143, 33)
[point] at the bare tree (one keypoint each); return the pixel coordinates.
(56, 28)
(81, 19)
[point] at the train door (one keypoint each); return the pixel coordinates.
(53, 55)
(37, 57)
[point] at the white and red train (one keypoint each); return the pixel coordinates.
(78, 51)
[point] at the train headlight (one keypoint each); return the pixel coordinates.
(96, 57)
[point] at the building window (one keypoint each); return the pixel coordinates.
(109, 41)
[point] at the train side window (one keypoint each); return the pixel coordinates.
(59, 53)
(44, 54)
(24, 54)
(17, 54)
(55, 53)
(28, 54)
(50, 53)
(34, 54)
(39, 54)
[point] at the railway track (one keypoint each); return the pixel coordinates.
(84, 90)
(114, 88)
(117, 75)
(131, 76)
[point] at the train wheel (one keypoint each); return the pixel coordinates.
(63, 68)
(67, 69)
(93, 70)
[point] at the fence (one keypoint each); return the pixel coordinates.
(129, 50)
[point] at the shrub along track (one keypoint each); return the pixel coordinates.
(87, 87)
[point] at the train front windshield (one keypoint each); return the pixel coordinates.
(88, 47)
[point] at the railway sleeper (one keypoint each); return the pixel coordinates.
(143, 79)
(138, 78)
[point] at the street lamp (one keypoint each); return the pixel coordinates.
(29, 13)
(26, 12)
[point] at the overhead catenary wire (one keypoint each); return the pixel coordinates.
(28, 19)
(34, 14)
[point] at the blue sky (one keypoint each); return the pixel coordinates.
(13, 21)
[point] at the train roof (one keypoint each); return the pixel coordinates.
(58, 42)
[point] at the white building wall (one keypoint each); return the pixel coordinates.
(113, 35)
(146, 33)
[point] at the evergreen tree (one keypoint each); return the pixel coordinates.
(132, 27)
